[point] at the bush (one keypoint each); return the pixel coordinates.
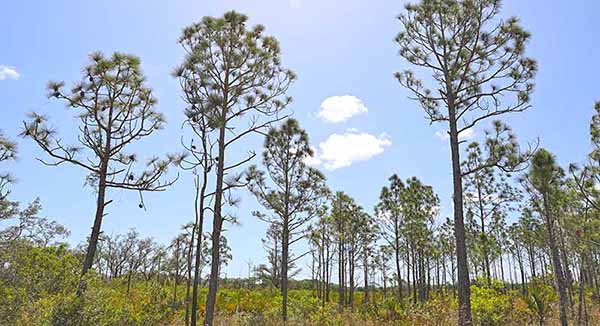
(490, 306)
(29, 273)
(538, 300)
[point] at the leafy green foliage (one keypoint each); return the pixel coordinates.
(8, 152)
(490, 306)
(30, 273)
(539, 300)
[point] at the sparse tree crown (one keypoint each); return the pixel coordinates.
(114, 108)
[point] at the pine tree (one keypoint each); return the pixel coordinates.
(8, 209)
(236, 73)
(389, 211)
(489, 194)
(476, 64)
(115, 108)
(8, 152)
(297, 192)
(543, 182)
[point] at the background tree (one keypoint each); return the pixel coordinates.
(189, 236)
(381, 261)
(297, 192)
(200, 161)
(489, 193)
(176, 262)
(347, 219)
(587, 209)
(357, 223)
(420, 206)
(341, 209)
(477, 64)
(589, 175)
(225, 252)
(270, 273)
(115, 108)
(447, 248)
(29, 225)
(237, 72)
(8, 209)
(321, 239)
(8, 152)
(389, 210)
(543, 183)
(369, 234)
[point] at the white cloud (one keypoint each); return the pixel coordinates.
(465, 135)
(296, 4)
(7, 72)
(313, 160)
(337, 109)
(342, 150)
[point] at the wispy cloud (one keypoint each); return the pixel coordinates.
(337, 109)
(342, 150)
(7, 72)
(296, 4)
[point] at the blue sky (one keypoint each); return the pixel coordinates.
(337, 48)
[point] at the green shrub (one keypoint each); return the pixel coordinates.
(538, 299)
(30, 273)
(490, 306)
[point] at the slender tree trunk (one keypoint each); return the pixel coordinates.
(408, 270)
(100, 205)
(366, 274)
(522, 269)
(176, 275)
(285, 242)
(328, 271)
(320, 283)
(452, 267)
(502, 268)
(422, 278)
(284, 269)
(189, 277)
(313, 276)
(542, 264)
(342, 268)
(486, 257)
(437, 274)
(128, 281)
(568, 276)
(464, 291)
(594, 276)
(384, 277)
(511, 268)
(487, 269)
(323, 271)
(428, 272)
(198, 254)
(531, 255)
(582, 318)
(95, 235)
(213, 283)
(414, 275)
(397, 252)
(351, 276)
(444, 274)
(558, 271)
